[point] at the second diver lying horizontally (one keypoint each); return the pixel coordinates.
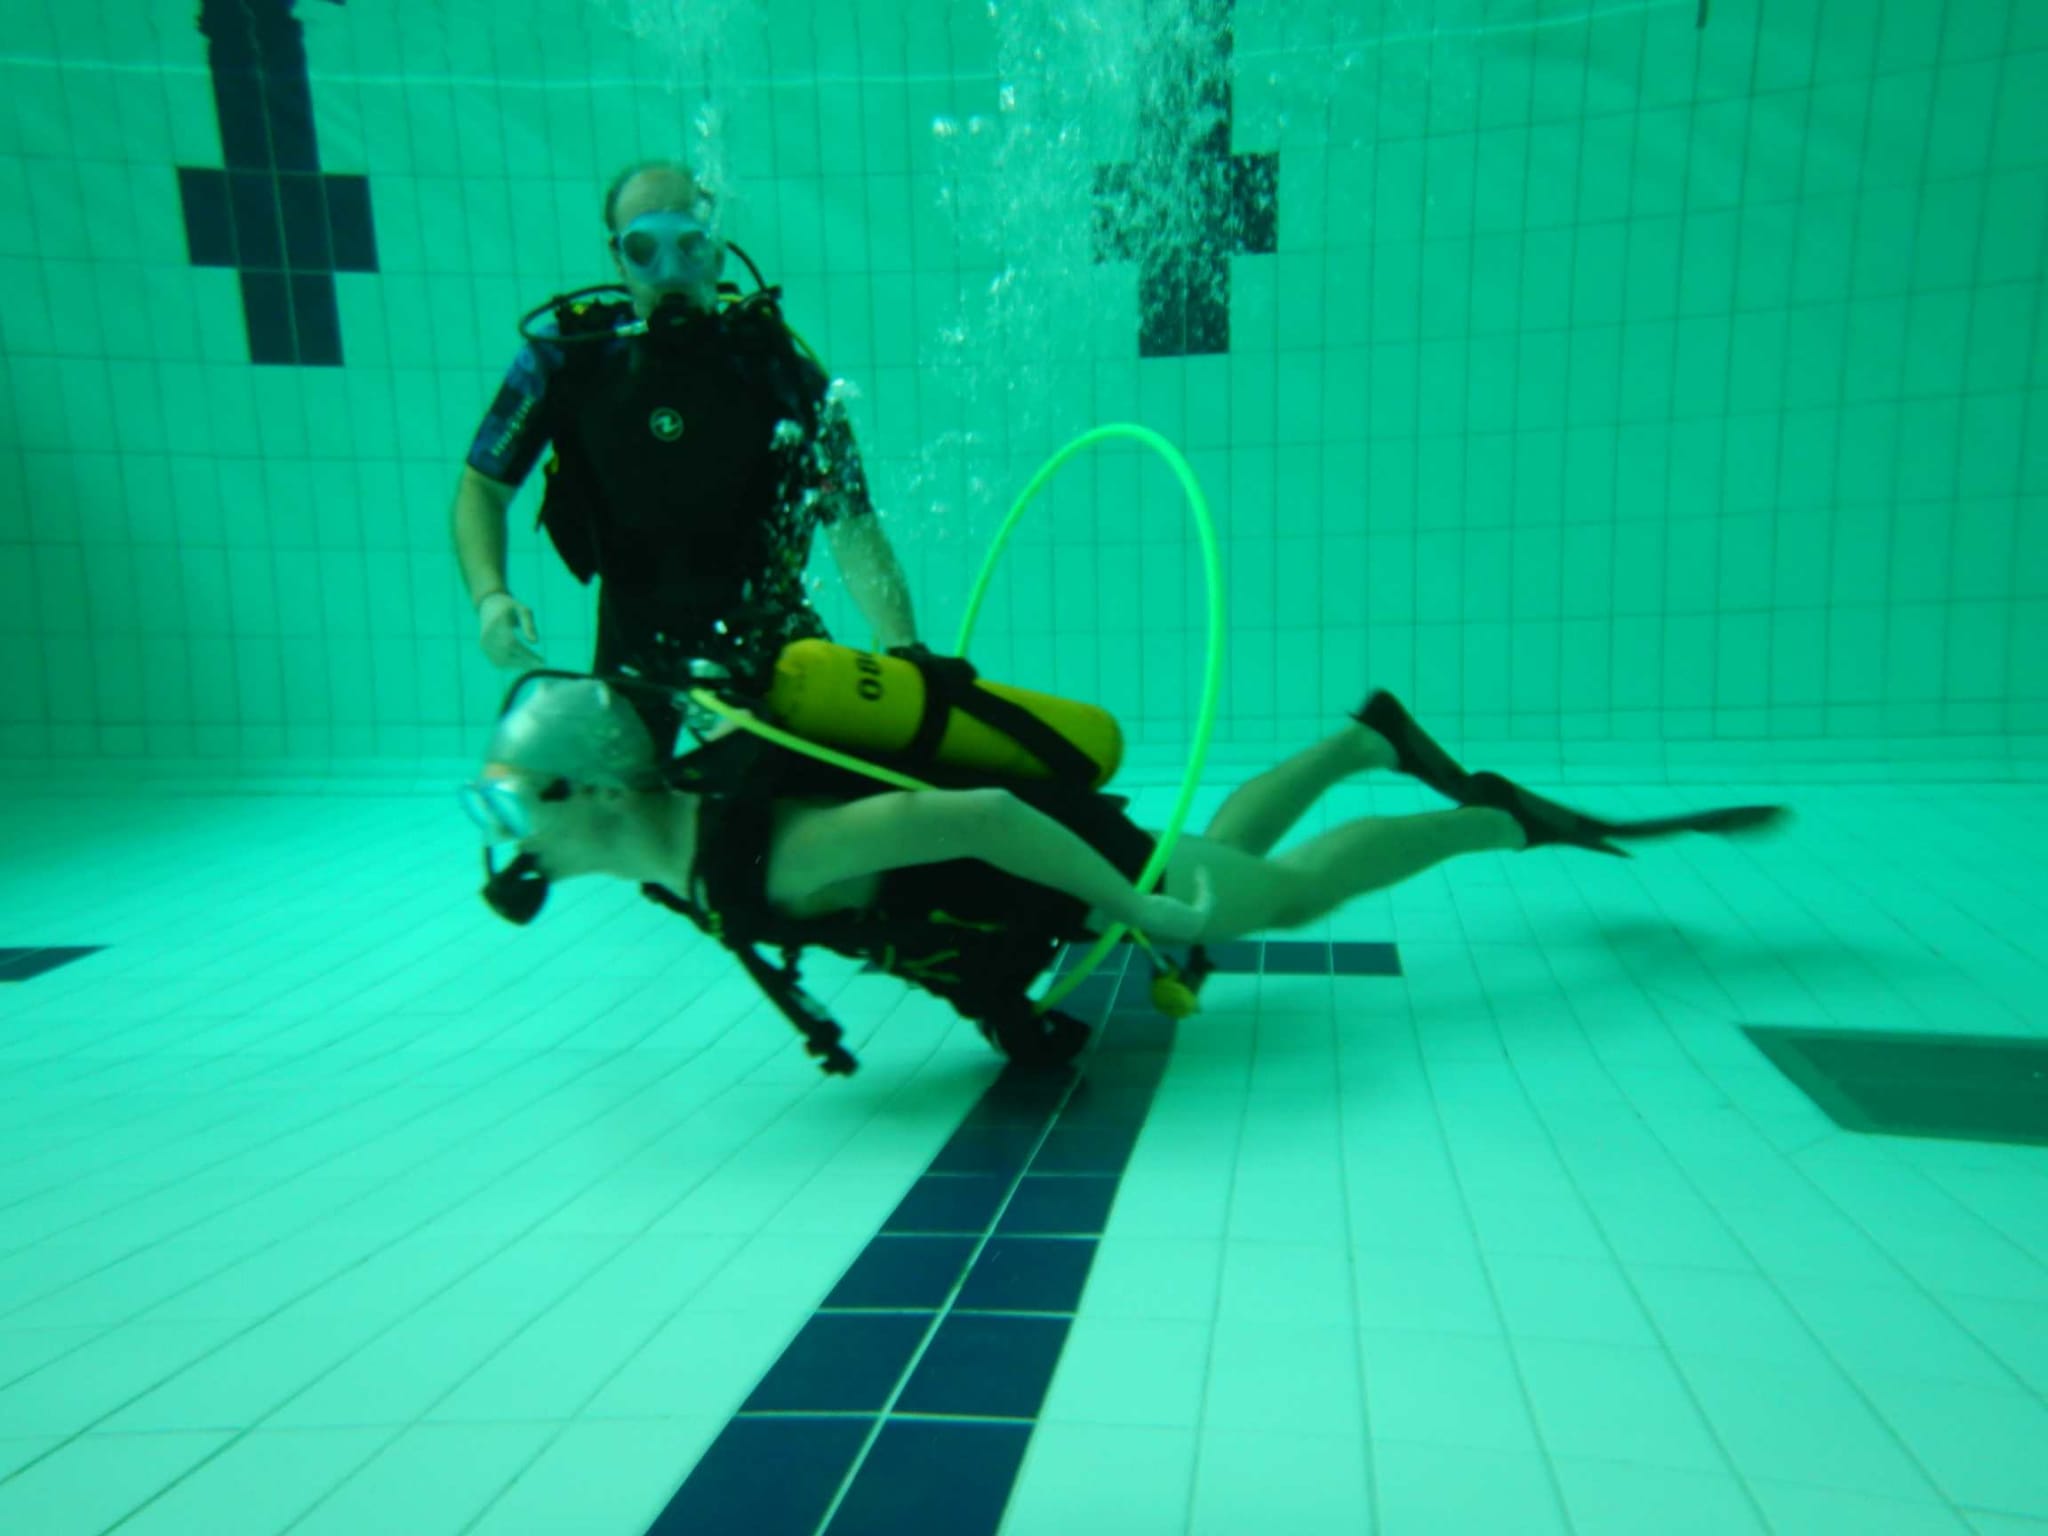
(970, 888)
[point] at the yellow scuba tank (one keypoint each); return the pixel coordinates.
(887, 706)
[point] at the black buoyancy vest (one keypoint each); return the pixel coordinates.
(981, 956)
(675, 458)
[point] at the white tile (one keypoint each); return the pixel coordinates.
(1075, 1476)
(1568, 1299)
(1433, 1490)
(1308, 1284)
(84, 1387)
(1603, 1497)
(1120, 1372)
(1800, 1509)
(1288, 1481)
(93, 1481)
(1275, 1375)
(600, 1475)
(698, 1365)
(1806, 1424)
(1159, 1278)
(1893, 1332)
(1613, 1404)
(259, 1482)
(434, 1478)
(1978, 1443)
(1446, 1390)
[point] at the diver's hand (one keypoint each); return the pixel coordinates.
(1169, 920)
(501, 620)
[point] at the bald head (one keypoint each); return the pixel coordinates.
(675, 256)
(653, 186)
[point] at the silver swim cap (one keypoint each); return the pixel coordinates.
(577, 729)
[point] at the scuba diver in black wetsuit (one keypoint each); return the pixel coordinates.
(969, 889)
(698, 447)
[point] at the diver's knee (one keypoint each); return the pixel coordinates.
(1299, 901)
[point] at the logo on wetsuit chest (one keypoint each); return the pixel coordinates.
(666, 423)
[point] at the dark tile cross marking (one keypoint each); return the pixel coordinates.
(1185, 181)
(271, 214)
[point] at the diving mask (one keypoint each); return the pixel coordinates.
(558, 729)
(499, 808)
(500, 802)
(671, 253)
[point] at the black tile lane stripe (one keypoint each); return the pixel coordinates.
(1281, 957)
(27, 964)
(905, 1404)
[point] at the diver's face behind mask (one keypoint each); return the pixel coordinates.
(506, 809)
(502, 804)
(561, 831)
(567, 755)
(669, 258)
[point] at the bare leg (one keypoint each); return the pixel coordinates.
(1252, 894)
(1260, 811)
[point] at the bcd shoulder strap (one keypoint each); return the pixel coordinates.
(783, 987)
(949, 684)
(984, 972)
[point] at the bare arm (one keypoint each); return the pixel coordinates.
(874, 577)
(479, 525)
(828, 847)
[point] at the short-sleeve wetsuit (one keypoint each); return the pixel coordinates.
(691, 473)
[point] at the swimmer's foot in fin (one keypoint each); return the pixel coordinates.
(1726, 821)
(1415, 754)
(1547, 822)
(1544, 823)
